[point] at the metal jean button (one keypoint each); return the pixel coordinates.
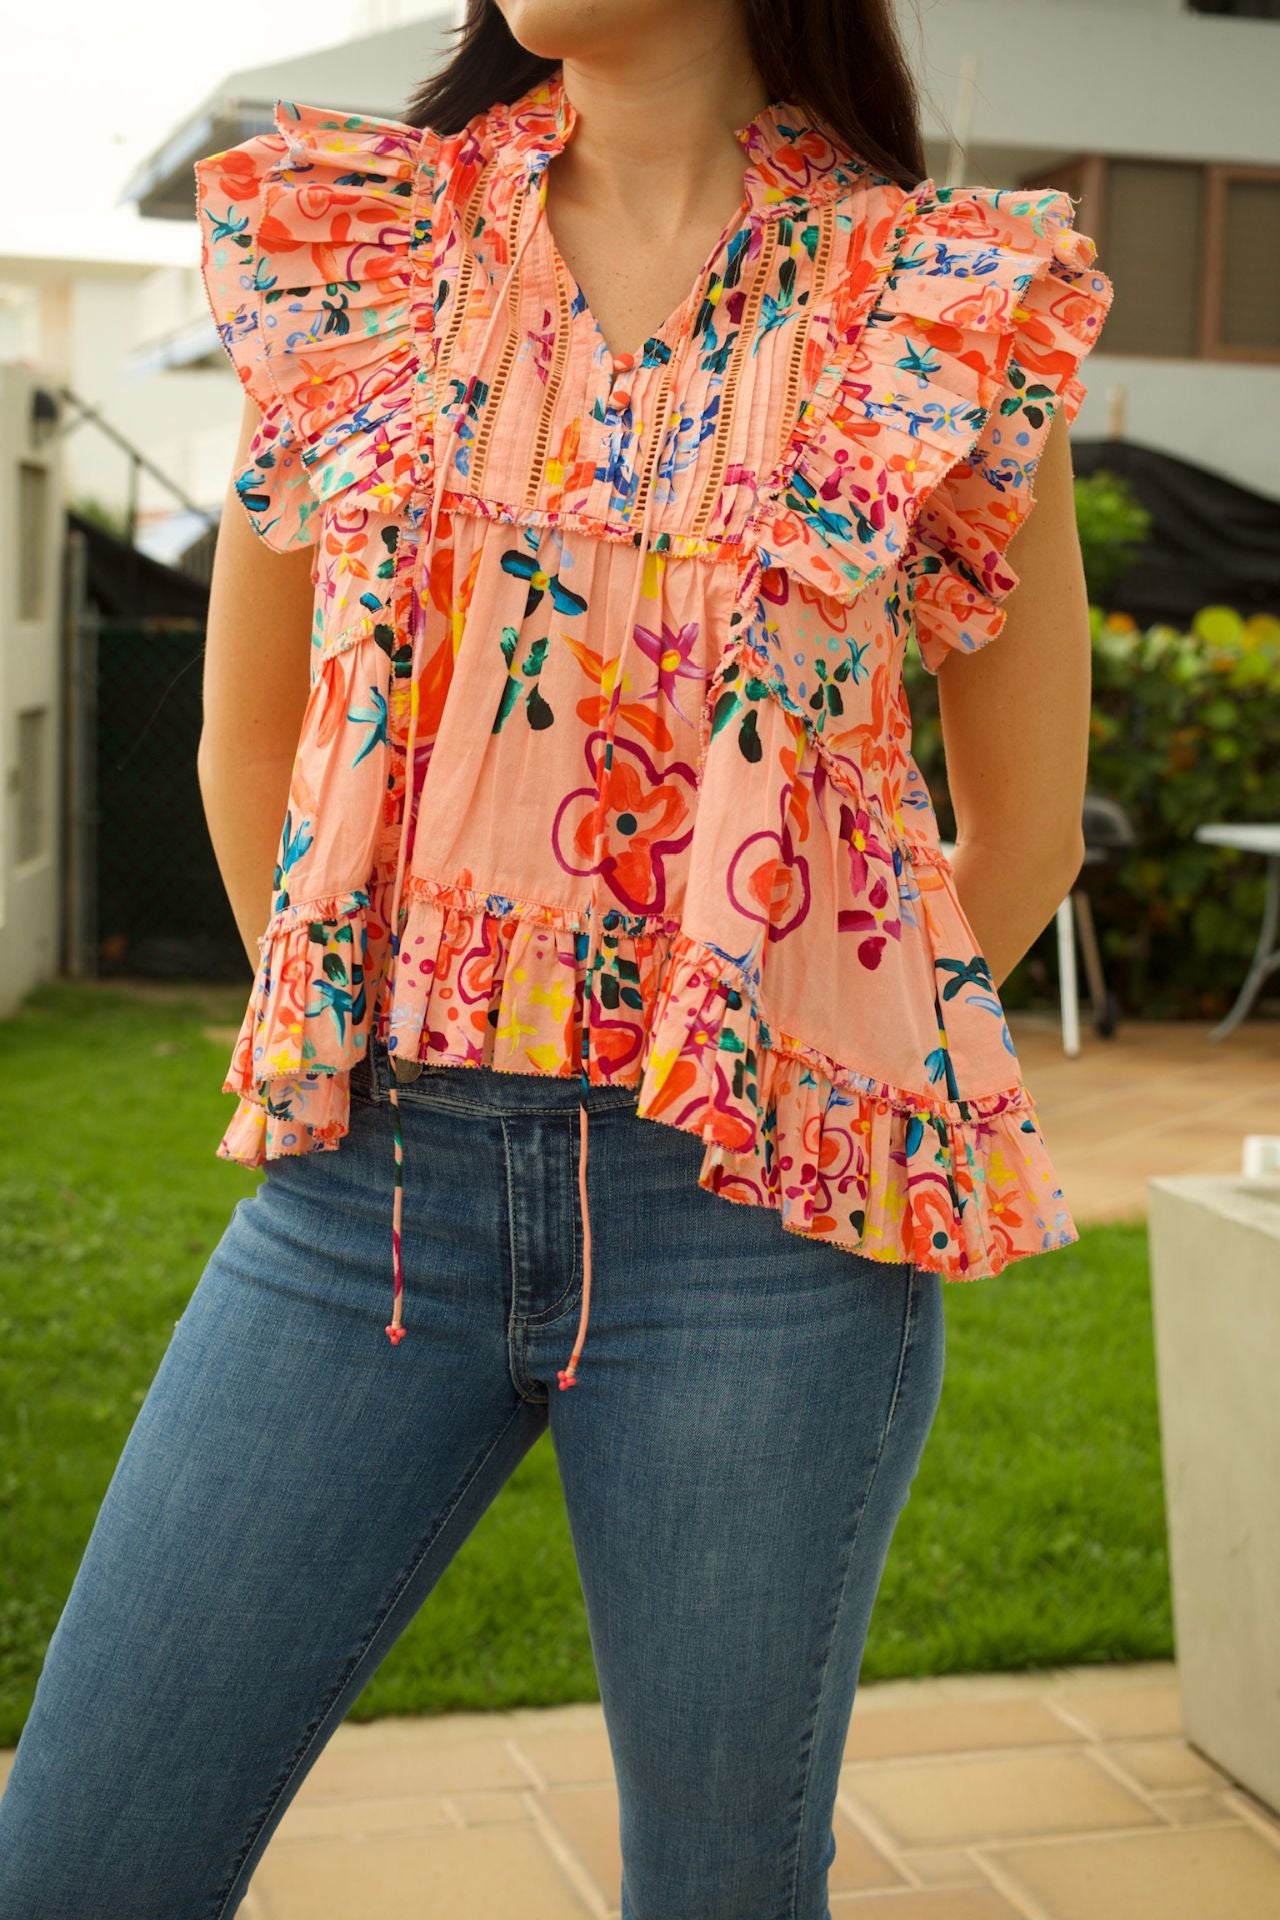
(406, 1069)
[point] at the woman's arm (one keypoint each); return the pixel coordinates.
(256, 681)
(1015, 725)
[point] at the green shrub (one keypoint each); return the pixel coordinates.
(1185, 727)
(111, 519)
(1184, 732)
(1113, 525)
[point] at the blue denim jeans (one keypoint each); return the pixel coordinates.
(750, 1412)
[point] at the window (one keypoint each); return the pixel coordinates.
(32, 742)
(1247, 214)
(1193, 252)
(33, 538)
(1155, 214)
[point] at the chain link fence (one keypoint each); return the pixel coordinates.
(145, 896)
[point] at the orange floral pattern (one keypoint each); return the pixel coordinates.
(606, 764)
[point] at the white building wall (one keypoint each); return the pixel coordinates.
(1139, 77)
(160, 413)
(30, 693)
(83, 323)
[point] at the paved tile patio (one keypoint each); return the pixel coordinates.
(1157, 1098)
(1066, 1795)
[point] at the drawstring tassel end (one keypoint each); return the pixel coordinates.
(394, 1331)
(568, 1375)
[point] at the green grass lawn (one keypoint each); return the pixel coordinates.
(1034, 1534)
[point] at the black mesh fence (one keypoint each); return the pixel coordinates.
(154, 900)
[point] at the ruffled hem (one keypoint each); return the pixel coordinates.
(305, 1026)
(307, 1115)
(958, 1187)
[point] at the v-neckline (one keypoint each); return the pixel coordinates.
(789, 161)
(616, 360)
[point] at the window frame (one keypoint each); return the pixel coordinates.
(1220, 175)
(1086, 177)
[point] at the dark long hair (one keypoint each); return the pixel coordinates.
(840, 60)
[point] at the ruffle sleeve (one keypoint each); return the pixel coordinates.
(307, 257)
(317, 249)
(991, 310)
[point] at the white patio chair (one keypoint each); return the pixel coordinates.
(1106, 828)
(1251, 837)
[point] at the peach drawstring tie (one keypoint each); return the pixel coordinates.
(568, 1375)
(396, 1330)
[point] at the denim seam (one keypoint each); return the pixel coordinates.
(409, 1097)
(908, 1328)
(575, 1278)
(517, 1354)
(570, 1297)
(452, 1095)
(442, 1521)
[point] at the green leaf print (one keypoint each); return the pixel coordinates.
(507, 700)
(537, 711)
(725, 708)
(749, 742)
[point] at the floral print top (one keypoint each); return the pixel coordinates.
(606, 765)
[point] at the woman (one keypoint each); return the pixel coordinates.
(612, 426)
